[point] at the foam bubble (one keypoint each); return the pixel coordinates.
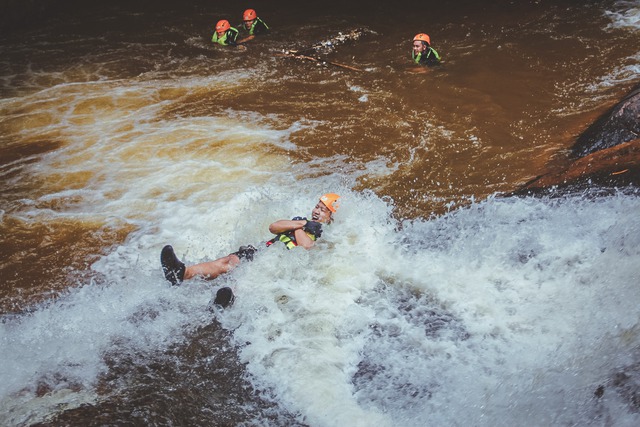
(625, 14)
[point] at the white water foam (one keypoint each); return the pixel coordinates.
(625, 14)
(534, 317)
(508, 311)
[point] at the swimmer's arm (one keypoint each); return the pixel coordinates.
(297, 226)
(284, 225)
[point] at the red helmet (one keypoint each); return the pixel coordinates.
(423, 38)
(222, 25)
(249, 15)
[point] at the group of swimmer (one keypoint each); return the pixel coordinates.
(252, 26)
(298, 231)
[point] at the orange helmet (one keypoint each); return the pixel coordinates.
(423, 38)
(249, 15)
(222, 25)
(330, 200)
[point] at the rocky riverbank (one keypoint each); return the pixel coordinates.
(606, 154)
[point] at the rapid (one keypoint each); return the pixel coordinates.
(431, 300)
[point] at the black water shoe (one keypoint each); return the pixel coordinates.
(224, 297)
(246, 252)
(172, 267)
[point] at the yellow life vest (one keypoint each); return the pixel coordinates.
(288, 239)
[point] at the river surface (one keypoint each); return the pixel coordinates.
(430, 300)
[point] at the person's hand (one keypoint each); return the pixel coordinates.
(314, 228)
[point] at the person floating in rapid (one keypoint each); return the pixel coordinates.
(422, 52)
(225, 34)
(252, 25)
(298, 231)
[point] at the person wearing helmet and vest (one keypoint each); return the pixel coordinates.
(252, 25)
(298, 231)
(225, 34)
(422, 52)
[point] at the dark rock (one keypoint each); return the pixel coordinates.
(618, 125)
(606, 155)
(611, 167)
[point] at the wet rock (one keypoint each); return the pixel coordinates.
(620, 124)
(607, 154)
(616, 166)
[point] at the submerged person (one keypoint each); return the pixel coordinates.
(225, 34)
(295, 232)
(252, 25)
(422, 52)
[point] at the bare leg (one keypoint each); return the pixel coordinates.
(212, 269)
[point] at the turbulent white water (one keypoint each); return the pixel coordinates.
(511, 311)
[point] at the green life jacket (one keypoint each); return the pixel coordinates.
(223, 40)
(253, 26)
(429, 55)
